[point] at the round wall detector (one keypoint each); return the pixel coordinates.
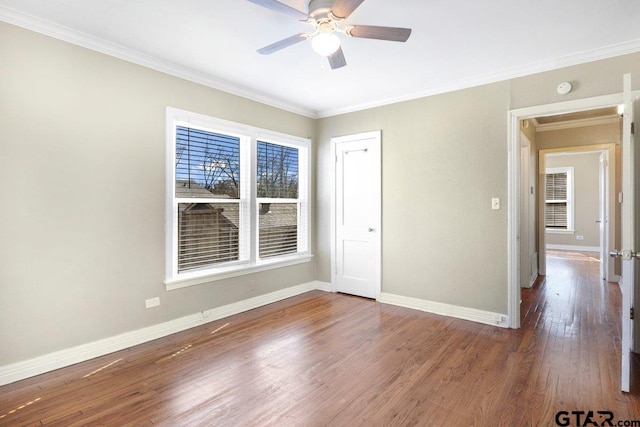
(564, 88)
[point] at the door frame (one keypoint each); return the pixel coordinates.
(607, 265)
(528, 214)
(513, 187)
(377, 136)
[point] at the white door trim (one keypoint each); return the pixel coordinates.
(377, 135)
(513, 174)
(628, 281)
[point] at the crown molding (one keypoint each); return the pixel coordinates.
(625, 48)
(570, 124)
(69, 35)
(60, 32)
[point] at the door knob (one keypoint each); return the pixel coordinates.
(625, 254)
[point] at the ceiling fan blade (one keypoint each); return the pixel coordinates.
(289, 41)
(343, 8)
(337, 59)
(282, 8)
(381, 33)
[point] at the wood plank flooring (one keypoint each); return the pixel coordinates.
(330, 359)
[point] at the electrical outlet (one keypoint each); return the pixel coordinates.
(579, 237)
(152, 302)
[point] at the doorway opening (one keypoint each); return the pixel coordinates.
(629, 224)
(572, 158)
(578, 176)
(578, 209)
(569, 182)
(551, 129)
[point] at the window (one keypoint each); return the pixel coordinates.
(558, 210)
(207, 189)
(237, 199)
(277, 188)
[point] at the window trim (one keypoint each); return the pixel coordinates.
(569, 170)
(249, 135)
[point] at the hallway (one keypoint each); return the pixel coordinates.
(576, 317)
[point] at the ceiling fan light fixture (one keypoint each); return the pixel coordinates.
(325, 43)
(327, 17)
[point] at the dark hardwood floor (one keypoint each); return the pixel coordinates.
(331, 359)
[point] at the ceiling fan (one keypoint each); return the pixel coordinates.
(327, 16)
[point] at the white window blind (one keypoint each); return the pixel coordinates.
(558, 199)
(208, 234)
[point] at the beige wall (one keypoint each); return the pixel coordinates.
(580, 136)
(82, 180)
(586, 198)
(444, 157)
(82, 164)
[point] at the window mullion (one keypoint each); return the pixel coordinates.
(252, 229)
(303, 200)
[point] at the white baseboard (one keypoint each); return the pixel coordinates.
(59, 359)
(532, 280)
(465, 313)
(573, 248)
(323, 286)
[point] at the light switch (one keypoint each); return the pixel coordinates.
(495, 203)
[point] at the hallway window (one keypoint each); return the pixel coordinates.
(558, 211)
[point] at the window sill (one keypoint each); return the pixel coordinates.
(208, 276)
(553, 231)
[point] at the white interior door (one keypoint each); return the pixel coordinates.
(357, 216)
(630, 229)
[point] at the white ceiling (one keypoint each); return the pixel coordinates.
(454, 44)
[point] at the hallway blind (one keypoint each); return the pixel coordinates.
(555, 212)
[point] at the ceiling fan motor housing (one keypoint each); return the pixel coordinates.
(319, 9)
